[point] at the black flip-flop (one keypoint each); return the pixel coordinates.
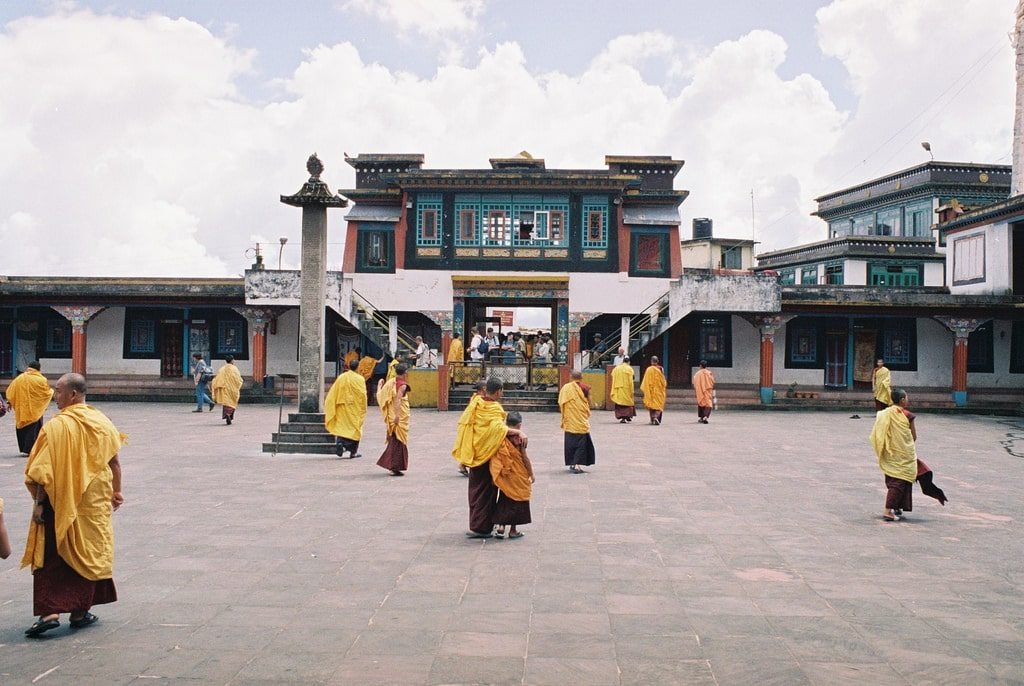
(40, 627)
(85, 620)
(518, 534)
(473, 534)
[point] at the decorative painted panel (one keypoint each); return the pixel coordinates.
(563, 331)
(595, 222)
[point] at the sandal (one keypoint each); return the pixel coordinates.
(518, 534)
(40, 627)
(83, 621)
(500, 533)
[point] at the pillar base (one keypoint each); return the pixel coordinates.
(767, 396)
(960, 398)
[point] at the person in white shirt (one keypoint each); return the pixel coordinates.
(422, 353)
(474, 345)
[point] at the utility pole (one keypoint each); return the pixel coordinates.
(1017, 177)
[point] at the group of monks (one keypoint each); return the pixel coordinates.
(654, 387)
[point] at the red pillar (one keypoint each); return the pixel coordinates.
(442, 388)
(78, 345)
(767, 366)
(446, 344)
(574, 350)
(259, 353)
(960, 364)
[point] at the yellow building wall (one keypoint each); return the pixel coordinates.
(424, 387)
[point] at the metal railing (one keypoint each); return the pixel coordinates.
(639, 324)
(380, 324)
(528, 375)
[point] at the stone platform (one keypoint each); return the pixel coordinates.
(747, 551)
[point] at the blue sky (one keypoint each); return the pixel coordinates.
(203, 112)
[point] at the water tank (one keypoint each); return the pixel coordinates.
(701, 227)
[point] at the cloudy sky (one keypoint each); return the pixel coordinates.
(153, 137)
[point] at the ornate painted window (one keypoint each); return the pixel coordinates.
(58, 336)
(467, 220)
(230, 337)
(428, 219)
(895, 274)
(969, 259)
(376, 250)
(714, 341)
(802, 344)
(496, 214)
(649, 254)
(898, 342)
(141, 336)
(595, 222)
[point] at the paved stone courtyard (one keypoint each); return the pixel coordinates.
(747, 551)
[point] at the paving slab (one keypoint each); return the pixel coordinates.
(747, 551)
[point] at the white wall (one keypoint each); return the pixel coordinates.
(746, 355)
(855, 273)
(998, 258)
(934, 273)
(105, 347)
(283, 347)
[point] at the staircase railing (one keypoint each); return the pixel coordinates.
(648, 324)
(375, 325)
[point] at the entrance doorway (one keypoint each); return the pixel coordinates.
(508, 317)
(836, 355)
(171, 335)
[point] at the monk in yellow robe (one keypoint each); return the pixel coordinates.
(5, 540)
(512, 474)
(574, 404)
(29, 395)
(226, 388)
(345, 411)
(479, 388)
(477, 441)
(353, 354)
(622, 391)
(893, 437)
(393, 398)
(654, 386)
(456, 351)
(881, 386)
(704, 387)
(74, 475)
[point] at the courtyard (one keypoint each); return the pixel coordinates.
(747, 551)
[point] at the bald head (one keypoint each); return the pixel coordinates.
(576, 375)
(70, 390)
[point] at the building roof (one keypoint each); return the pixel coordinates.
(106, 290)
(891, 247)
(1008, 210)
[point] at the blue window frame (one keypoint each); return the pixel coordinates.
(230, 336)
(918, 219)
(889, 222)
(714, 341)
(787, 277)
(428, 219)
(467, 220)
(809, 275)
(58, 336)
(802, 338)
(141, 336)
(898, 343)
(595, 222)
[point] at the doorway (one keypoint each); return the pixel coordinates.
(171, 354)
(836, 355)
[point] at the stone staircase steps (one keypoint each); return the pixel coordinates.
(303, 434)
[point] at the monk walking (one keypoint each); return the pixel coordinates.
(881, 386)
(227, 389)
(512, 473)
(574, 404)
(345, 411)
(704, 386)
(29, 395)
(654, 387)
(623, 382)
(393, 398)
(74, 476)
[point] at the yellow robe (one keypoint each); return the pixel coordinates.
(345, 406)
(881, 384)
(349, 356)
(391, 369)
(479, 438)
(386, 398)
(29, 395)
(575, 409)
(622, 384)
(365, 368)
(653, 387)
(226, 387)
(71, 460)
(704, 386)
(509, 473)
(894, 444)
(456, 351)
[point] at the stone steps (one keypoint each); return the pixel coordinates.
(303, 434)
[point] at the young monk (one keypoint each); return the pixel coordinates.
(512, 473)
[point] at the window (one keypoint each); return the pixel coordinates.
(895, 275)
(840, 228)
(230, 337)
(376, 251)
(863, 225)
(468, 233)
(969, 259)
(802, 345)
(897, 342)
(732, 258)
(919, 218)
(595, 222)
(428, 232)
(542, 226)
(809, 276)
(649, 254)
(557, 223)
(714, 341)
(142, 336)
(497, 229)
(889, 222)
(1017, 348)
(787, 277)
(58, 337)
(834, 274)
(979, 349)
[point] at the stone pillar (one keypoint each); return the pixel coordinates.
(624, 333)
(393, 333)
(962, 329)
(258, 319)
(314, 198)
(79, 316)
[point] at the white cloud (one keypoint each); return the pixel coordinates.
(429, 18)
(128, 150)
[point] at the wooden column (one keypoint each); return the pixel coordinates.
(767, 325)
(442, 387)
(259, 319)
(962, 329)
(79, 316)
